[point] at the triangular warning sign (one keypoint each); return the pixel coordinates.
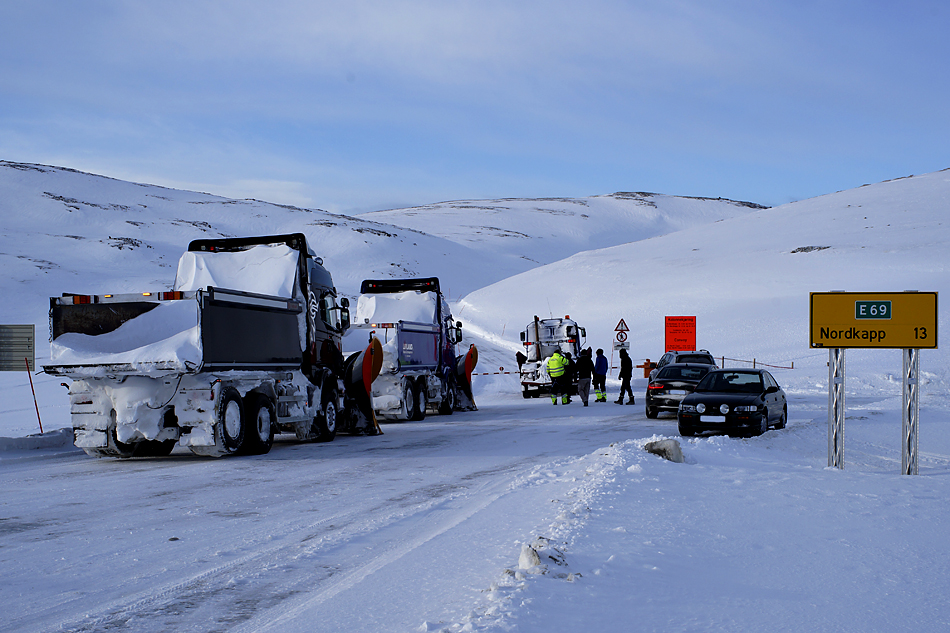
(621, 327)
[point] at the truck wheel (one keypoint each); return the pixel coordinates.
(260, 425)
(324, 425)
(421, 401)
(229, 420)
(447, 406)
(408, 400)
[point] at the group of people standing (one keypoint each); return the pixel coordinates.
(563, 371)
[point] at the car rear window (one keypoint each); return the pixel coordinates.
(695, 358)
(682, 373)
(732, 381)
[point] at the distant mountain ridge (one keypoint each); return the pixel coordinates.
(65, 230)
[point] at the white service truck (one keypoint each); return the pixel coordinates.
(541, 338)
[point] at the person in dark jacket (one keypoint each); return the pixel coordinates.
(585, 369)
(601, 366)
(570, 373)
(626, 373)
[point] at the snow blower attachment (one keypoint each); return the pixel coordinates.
(359, 371)
(464, 367)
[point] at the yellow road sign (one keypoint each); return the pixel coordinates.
(900, 320)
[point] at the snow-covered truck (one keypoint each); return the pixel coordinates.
(540, 338)
(245, 345)
(421, 371)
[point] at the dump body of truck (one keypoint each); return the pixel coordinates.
(541, 338)
(421, 371)
(247, 344)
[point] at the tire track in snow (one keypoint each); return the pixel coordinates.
(395, 549)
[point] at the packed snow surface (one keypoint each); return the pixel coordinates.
(521, 516)
(168, 333)
(266, 269)
(412, 305)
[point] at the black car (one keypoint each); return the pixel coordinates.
(742, 401)
(670, 385)
(698, 357)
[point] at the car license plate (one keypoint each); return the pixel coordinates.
(677, 392)
(718, 419)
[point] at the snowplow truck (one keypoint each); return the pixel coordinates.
(541, 338)
(421, 370)
(247, 344)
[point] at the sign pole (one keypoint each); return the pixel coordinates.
(35, 403)
(910, 410)
(836, 410)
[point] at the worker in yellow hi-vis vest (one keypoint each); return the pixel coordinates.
(557, 366)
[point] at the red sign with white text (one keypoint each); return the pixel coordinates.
(680, 333)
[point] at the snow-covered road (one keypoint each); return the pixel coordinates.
(419, 520)
(423, 529)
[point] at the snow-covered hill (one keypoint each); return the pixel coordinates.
(746, 279)
(434, 526)
(520, 234)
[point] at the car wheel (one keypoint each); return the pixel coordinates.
(686, 430)
(229, 420)
(763, 424)
(783, 421)
(651, 413)
(262, 418)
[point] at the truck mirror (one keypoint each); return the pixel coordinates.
(583, 332)
(522, 337)
(345, 302)
(344, 316)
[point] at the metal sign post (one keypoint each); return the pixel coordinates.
(18, 351)
(874, 320)
(836, 367)
(910, 410)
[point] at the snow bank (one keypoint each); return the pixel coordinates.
(411, 305)
(167, 334)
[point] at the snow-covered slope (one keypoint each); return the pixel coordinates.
(519, 234)
(68, 231)
(747, 535)
(746, 279)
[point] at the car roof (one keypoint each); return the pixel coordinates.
(688, 365)
(737, 370)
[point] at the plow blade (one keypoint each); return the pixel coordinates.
(464, 367)
(359, 372)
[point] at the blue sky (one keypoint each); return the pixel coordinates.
(359, 105)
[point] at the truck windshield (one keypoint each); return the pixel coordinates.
(330, 312)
